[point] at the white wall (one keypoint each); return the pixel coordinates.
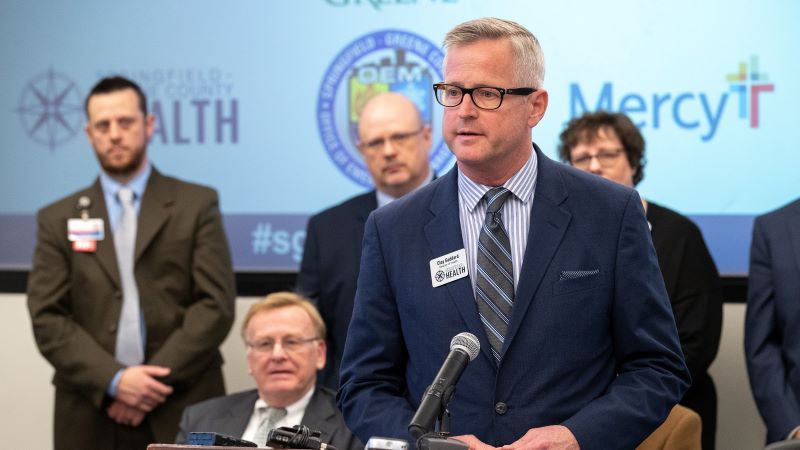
(738, 424)
(26, 394)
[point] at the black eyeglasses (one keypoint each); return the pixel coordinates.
(400, 140)
(484, 97)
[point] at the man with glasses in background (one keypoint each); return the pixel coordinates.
(284, 335)
(395, 144)
(551, 268)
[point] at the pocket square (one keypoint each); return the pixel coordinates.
(574, 274)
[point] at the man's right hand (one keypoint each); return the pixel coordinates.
(473, 442)
(139, 388)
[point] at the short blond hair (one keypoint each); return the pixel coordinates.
(529, 58)
(285, 299)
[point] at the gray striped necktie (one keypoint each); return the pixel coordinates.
(129, 349)
(268, 418)
(494, 286)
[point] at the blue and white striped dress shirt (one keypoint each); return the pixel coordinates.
(516, 214)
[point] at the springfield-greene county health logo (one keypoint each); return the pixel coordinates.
(382, 61)
(51, 109)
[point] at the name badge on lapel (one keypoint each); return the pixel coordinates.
(84, 234)
(449, 267)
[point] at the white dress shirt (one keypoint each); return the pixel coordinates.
(294, 415)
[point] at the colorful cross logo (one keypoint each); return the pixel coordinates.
(756, 81)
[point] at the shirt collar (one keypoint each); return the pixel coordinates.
(295, 407)
(137, 184)
(521, 184)
(384, 198)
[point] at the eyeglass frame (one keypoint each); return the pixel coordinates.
(464, 91)
(586, 160)
(397, 139)
(289, 344)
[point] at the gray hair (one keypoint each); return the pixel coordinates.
(529, 59)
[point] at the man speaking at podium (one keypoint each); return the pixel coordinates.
(553, 270)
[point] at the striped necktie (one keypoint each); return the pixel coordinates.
(494, 286)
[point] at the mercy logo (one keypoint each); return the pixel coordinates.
(51, 109)
(699, 111)
(383, 61)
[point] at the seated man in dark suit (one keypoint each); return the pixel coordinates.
(772, 318)
(395, 143)
(284, 335)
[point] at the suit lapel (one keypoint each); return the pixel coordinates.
(319, 415)
(106, 254)
(443, 233)
(794, 231)
(369, 204)
(157, 202)
(238, 415)
(547, 227)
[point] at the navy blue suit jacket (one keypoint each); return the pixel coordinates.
(772, 348)
(598, 354)
(329, 272)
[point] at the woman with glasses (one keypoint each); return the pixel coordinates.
(610, 145)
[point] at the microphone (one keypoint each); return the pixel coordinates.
(463, 348)
(298, 436)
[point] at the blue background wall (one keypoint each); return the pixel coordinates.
(257, 98)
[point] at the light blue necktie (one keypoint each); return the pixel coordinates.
(129, 349)
(268, 418)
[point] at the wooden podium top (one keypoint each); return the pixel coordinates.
(184, 446)
(189, 447)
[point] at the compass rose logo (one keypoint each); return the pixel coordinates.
(51, 109)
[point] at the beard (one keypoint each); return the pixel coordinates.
(124, 168)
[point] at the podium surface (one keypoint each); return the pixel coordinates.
(190, 447)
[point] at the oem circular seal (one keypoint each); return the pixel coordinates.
(382, 61)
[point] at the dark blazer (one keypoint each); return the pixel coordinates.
(597, 353)
(772, 320)
(231, 413)
(694, 290)
(186, 290)
(329, 271)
